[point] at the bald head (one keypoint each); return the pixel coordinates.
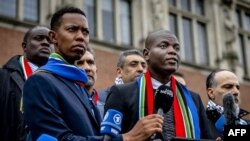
(221, 82)
(156, 34)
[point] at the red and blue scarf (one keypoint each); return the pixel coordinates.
(58, 65)
(185, 113)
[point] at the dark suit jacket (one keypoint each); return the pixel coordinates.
(125, 98)
(58, 107)
(12, 126)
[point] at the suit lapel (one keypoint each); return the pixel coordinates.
(15, 76)
(80, 96)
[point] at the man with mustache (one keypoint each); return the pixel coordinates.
(218, 83)
(130, 65)
(36, 50)
(186, 117)
(87, 62)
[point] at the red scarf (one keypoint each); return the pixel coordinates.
(26, 67)
(149, 103)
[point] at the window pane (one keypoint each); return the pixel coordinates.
(248, 54)
(8, 8)
(247, 21)
(188, 40)
(172, 2)
(238, 18)
(202, 42)
(186, 5)
(173, 23)
(31, 10)
(89, 8)
(240, 44)
(108, 20)
(125, 22)
(200, 7)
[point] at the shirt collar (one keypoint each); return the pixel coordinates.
(33, 66)
(156, 84)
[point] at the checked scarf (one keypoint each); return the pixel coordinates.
(57, 65)
(186, 119)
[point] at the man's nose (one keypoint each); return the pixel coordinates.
(85, 66)
(172, 50)
(46, 42)
(80, 35)
(235, 91)
(140, 68)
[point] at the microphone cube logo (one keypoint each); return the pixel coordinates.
(111, 124)
(241, 132)
(117, 119)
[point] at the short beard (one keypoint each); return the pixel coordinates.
(89, 85)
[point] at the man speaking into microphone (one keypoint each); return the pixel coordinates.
(185, 117)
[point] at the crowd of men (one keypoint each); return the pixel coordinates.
(49, 90)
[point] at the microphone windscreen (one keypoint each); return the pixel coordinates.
(46, 137)
(111, 124)
(230, 107)
(163, 98)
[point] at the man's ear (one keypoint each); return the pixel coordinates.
(210, 93)
(146, 54)
(119, 71)
(24, 46)
(53, 37)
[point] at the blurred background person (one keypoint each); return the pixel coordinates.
(218, 83)
(87, 62)
(36, 50)
(130, 65)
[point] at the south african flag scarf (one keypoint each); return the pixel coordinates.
(185, 113)
(27, 71)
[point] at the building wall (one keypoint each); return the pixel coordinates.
(10, 43)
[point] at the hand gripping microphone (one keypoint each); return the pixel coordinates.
(230, 109)
(46, 137)
(111, 124)
(162, 103)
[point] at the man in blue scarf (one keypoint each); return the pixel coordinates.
(56, 101)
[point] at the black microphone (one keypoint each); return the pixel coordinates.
(230, 109)
(163, 99)
(162, 103)
(111, 124)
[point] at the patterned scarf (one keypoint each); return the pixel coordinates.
(27, 71)
(216, 114)
(118, 80)
(57, 65)
(185, 112)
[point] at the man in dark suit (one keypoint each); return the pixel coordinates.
(186, 117)
(56, 101)
(36, 50)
